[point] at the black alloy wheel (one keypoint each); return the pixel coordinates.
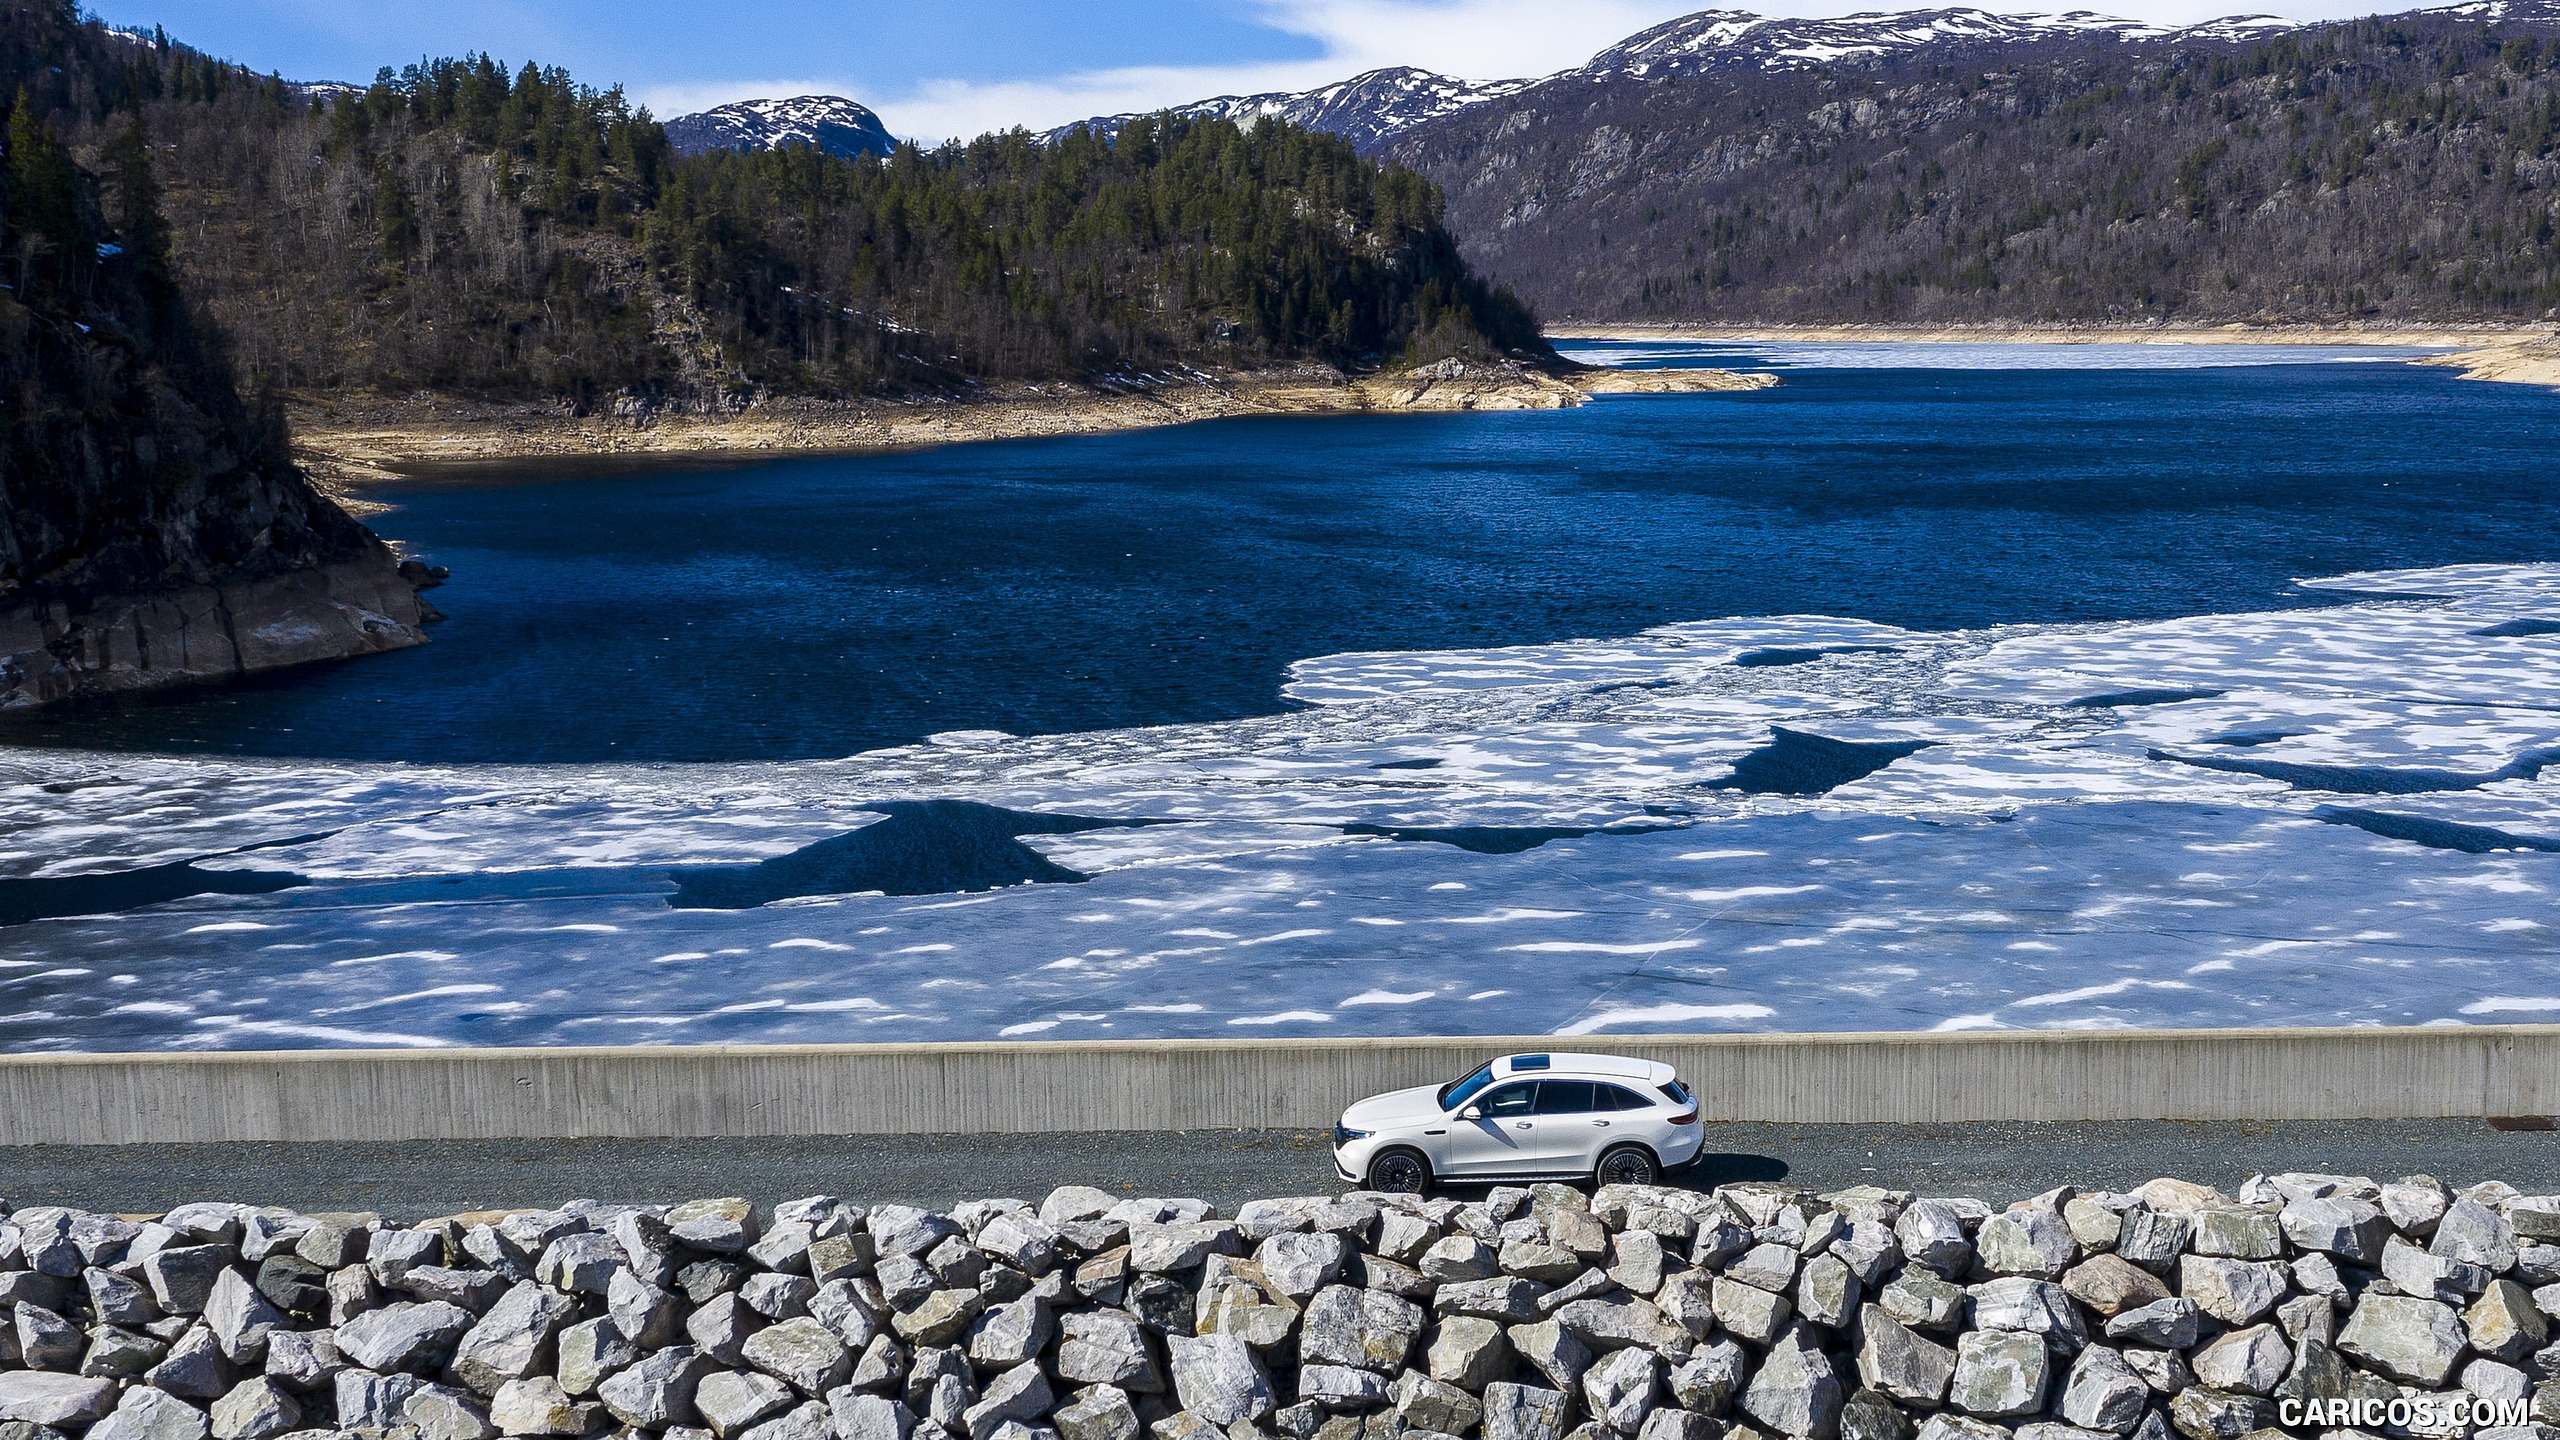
(1629, 1165)
(1399, 1172)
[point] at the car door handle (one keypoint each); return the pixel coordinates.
(1521, 1124)
(1603, 1124)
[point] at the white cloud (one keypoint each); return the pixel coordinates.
(1477, 39)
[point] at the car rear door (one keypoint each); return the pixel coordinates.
(1571, 1126)
(1503, 1141)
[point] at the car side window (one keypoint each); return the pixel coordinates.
(1565, 1097)
(1616, 1097)
(1511, 1100)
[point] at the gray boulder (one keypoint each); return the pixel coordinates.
(512, 1340)
(2030, 1240)
(1217, 1377)
(403, 1337)
(366, 1401)
(2405, 1337)
(2235, 1292)
(856, 1416)
(1932, 1234)
(1896, 1360)
(1795, 1391)
(1366, 1329)
(2247, 1361)
(1620, 1389)
(2103, 1393)
(256, 1409)
(181, 1278)
(1523, 1412)
(1340, 1387)
(1756, 1315)
(1468, 1351)
(729, 1401)
(148, 1414)
(537, 1406)
(2337, 1225)
(441, 1412)
(589, 1351)
(2200, 1413)
(2152, 1239)
(1019, 1396)
(1554, 1352)
(1105, 1347)
(1100, 1412)
(2171, 1324)
(1298, 1266)
(1423, 1403)
(657, 1392)
(1923, 1301)
(1998, 1373)
(801, 1351)
(2475, 1235)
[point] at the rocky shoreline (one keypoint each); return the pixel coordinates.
(350, 443)
(2321, 1304)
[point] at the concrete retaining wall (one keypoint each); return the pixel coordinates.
(1269, 1084)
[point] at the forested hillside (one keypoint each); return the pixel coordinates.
(153, 528)
(465, 227)
(2396, 169)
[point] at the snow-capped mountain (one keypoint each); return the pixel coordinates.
(1713, 40)
(831, 123)
(1372, 108)
(1366, 109)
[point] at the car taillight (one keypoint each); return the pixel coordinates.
(1686, 1117)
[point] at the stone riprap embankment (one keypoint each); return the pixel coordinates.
(1530, 1314)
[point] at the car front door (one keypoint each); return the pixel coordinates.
(1502, 1140)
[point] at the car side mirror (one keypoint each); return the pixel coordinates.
(1471, 1113)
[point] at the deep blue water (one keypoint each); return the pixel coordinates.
(821, 606)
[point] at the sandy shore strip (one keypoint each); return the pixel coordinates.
(351, 444)
(2464, 337)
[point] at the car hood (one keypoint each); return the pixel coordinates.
(1396, 1107)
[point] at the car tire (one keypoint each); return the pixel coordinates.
(1400, 1171)
(1628, 1165)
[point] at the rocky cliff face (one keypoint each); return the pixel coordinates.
(150, 536)
(153, 531)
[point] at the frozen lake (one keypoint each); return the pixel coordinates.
(2087, 757)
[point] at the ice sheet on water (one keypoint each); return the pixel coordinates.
(1572, 859)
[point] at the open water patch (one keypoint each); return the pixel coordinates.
(1480, 839)
(2370, 779)
(1795, 762)
(1779, 655)
(2127, 699)
(2437, 834)
(24, 899)
(919, 847)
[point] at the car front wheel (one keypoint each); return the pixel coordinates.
(1400, 1172)
(1629, 1165)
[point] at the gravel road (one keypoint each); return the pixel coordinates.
(411, 1179)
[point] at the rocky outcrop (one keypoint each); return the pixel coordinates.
(1528, 1314)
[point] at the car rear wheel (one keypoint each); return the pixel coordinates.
(1628, 1165)
(1400, 1172)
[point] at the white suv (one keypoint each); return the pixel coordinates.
(1523, 1117)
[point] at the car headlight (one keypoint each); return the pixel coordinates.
(1344, 1135)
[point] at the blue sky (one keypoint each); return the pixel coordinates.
(939, 68)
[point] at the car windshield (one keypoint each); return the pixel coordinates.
(1458, 1092)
